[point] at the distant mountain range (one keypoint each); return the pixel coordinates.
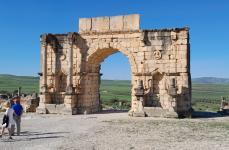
(211, 79)
(203, 79)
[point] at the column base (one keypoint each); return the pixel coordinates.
(139, 114)
(171, 112)
(130, 112)
(69, 111)
(41, 110)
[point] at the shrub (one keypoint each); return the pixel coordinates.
(214, 108)
(15, 91)
(4, 92)
(114, 100)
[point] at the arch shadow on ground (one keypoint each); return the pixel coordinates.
(197, 114)
(26, 136)
(202, 114)
(111, 111)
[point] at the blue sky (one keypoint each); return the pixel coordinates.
(21, 23)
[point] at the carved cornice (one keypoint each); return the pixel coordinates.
(147, 73)
(167, 30)
(40, 73)
(48, 38)
(129, 31)
(113, 32)
(89, 74)
(51, 74)
(142, 74)
(173, 74)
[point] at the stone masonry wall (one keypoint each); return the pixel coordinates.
(155, 57)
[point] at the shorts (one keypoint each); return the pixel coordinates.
(4, 125)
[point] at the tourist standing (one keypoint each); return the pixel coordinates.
(18, 111)
(9, 120)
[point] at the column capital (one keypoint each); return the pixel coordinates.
(45, 39)
(71, 37)
(70, 42)
(43, 44)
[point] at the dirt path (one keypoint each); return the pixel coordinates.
(116, 130)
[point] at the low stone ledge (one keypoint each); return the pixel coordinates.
(155, 111)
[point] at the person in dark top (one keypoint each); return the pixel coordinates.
(18, 111)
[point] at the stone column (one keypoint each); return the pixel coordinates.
(69, 89)
(45, 98)
(19, 92)
(44, 66)
(223, 102)
(70, 65)
(69, 100)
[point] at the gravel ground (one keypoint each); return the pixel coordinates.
(112, 129)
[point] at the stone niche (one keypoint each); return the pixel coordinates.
(160, 58)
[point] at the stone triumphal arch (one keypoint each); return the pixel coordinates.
(159, 59)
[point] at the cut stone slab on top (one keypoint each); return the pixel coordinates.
(110, 23)
(159, 59)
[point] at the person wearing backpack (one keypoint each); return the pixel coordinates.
(8, 120)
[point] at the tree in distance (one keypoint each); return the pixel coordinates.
(15, 91)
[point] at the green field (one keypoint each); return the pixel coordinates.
(200, 90)
(112, 87)
(210, 90)
(205, 95)
(10, 83)
(116, 85)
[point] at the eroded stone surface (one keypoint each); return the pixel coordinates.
(70, 64)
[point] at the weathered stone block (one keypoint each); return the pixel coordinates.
(131, 21)
(155, 111)
(100, 23)
(84, 24)
(139, 114)
(116, 22)
(69, 111)
(41, 110)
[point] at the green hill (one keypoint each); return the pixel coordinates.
(120, 89)
(211, 79)
(10, 83)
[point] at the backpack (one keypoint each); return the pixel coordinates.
(5, 121)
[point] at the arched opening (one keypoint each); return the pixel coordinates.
(91, 100)
(95, 60)
(115, 87)
(116, 66)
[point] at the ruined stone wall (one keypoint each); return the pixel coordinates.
(29, 102)
(155, 57)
